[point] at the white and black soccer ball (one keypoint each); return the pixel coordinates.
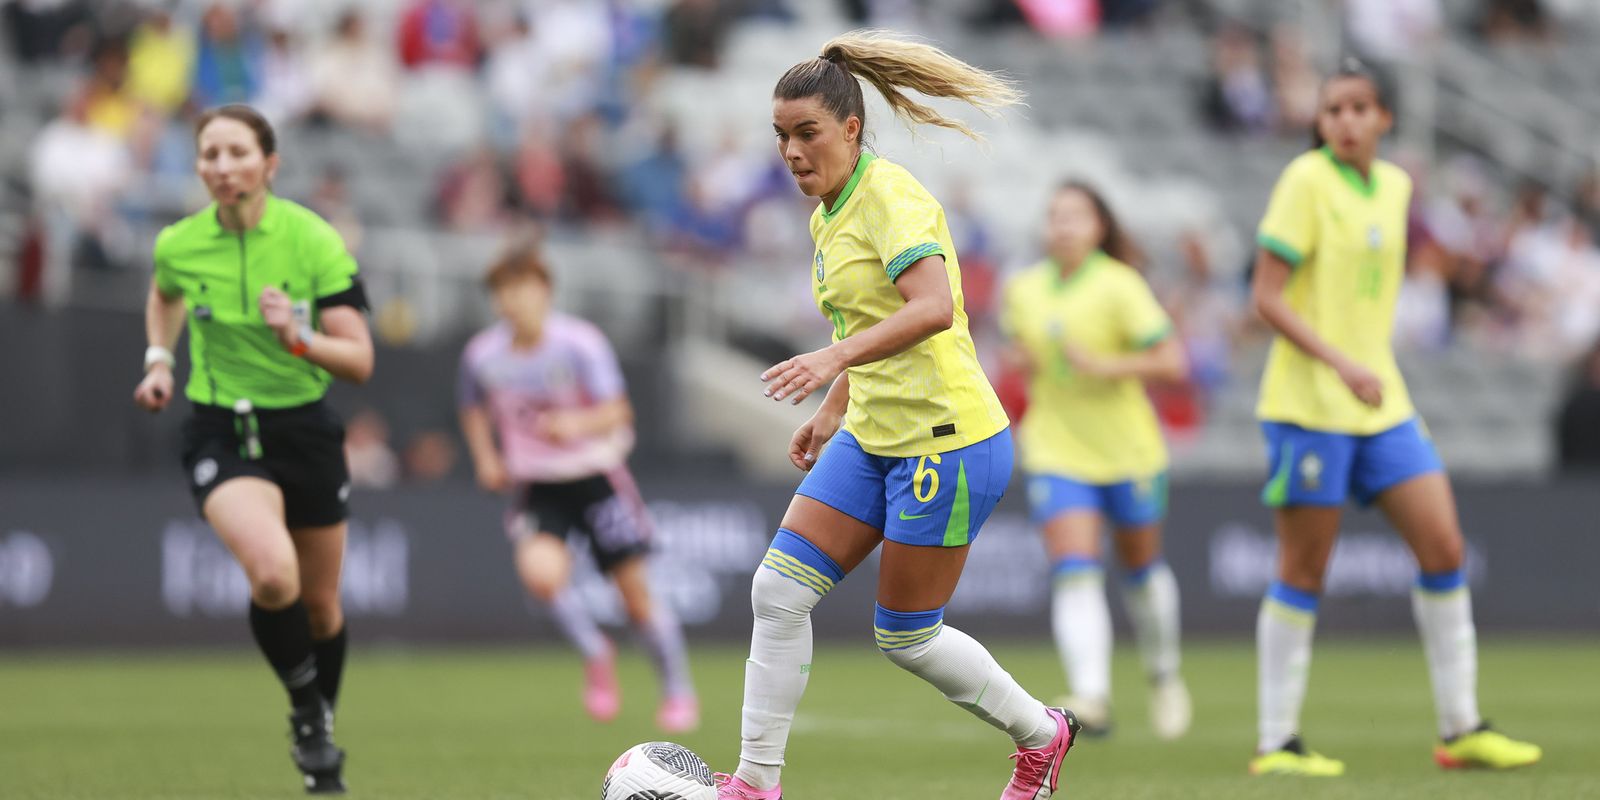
(658, 771)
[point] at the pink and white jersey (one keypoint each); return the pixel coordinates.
(572, 367)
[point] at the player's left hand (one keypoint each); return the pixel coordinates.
(277, 311)
(798, 377)
(1083, 362)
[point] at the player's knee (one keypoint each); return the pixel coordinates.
(274, 585)
(904, 637)
(1442, 555)
(793, 576)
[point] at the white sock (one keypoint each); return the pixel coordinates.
(792, 578)
(578, 624)
(1081, 619)
(960, 668)
(1151, 594)
(1442, 605)
(1284, 627)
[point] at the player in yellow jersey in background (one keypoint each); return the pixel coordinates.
(1086, 329)
(925, 451)
(1339, 425)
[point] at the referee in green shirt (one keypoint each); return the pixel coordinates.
(275, 313)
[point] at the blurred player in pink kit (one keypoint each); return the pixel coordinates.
(549, 385)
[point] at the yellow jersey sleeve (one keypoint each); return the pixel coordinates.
(1289, 228)
(1144, 322)
(902, 222)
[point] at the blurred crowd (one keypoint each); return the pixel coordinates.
(538, 108)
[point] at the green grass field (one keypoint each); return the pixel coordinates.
(507, 724)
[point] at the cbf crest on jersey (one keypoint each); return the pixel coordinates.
(819, 266)
(1374, 239)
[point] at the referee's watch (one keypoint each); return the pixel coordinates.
(302, 344)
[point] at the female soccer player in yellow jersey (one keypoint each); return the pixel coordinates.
(1339, 424)
(1087, 330)
(925, 450)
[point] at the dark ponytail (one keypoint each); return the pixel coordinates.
(1349, 67)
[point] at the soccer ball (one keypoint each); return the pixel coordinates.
(658, 771)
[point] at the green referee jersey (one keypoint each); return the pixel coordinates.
(220, 275)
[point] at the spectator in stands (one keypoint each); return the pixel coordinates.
(589, 194)
(373, 464)
(77, 172)
(1586, 199)
(1387, 31)
(331, 200)
(108, 106)
(46, 29)
(1578, 424)
(286, 92)
(518, 74)
(1295, 82)
(439, 32)
(354, 78)
(161, 56)
(1208, 312)
(653, 186)
(1238, 98)
(472, 195)
(1513, 20)
(429, 457)
(694, 32)
(228, 65)
(541, 179)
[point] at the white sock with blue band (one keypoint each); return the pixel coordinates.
(1442, 605)
(793, 576)
(1151, 594)
(959, 667)
(1284, 627)
(1080, 617)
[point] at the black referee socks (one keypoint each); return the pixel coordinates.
(284, 637)
(330, 664)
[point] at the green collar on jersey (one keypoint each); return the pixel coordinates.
(850, 185)
(271, 218)
(1367, 187)
(1061, 283)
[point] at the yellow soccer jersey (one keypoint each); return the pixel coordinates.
(933, 397)
(1346, 238)
(1092, 430)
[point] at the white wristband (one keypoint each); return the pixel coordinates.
(156, 354)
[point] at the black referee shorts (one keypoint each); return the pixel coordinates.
(302, 451)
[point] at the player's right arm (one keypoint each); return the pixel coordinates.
(163, 321)
(1266, 294)
(810, 437)
(478, 429)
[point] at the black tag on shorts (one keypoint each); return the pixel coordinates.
(947, 429)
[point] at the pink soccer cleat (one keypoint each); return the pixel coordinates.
(1038, 772)
(601, 696)
(729, 787)
(678, 714)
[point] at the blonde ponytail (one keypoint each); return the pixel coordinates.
(889, 64)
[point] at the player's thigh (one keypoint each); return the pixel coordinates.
(919, 577)
(840, 536)
(320, 551)
(543, 563)
(247, 514)
(1306, 536)
(1074, 532)
(1137, 546)
(1423, 510)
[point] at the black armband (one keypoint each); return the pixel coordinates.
(355, 297)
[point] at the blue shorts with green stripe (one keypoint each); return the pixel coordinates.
(933, 500)
(1322, 468)
(1128, 504)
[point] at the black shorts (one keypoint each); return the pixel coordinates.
(302, 451)
(606, 508)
